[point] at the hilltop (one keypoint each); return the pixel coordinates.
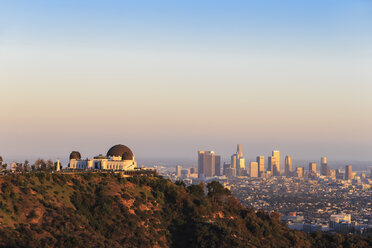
(91, 210)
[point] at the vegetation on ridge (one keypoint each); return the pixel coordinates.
(90, 210)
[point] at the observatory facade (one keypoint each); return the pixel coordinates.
(118, 158)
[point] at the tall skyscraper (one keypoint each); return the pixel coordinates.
(239, 151)
(323, 160)
(206, 163)
(217, 168)
(276, 155)
(312, 167)
(253, 169)
(269, 164)
(288, 165)
(241, 163)
(238, 161)
(225, 168)
(233, 161)
(324, 169)
(261, 165)
(178, 170)
(274, 163)
(348, 172)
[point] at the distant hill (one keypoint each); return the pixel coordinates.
(104, 210)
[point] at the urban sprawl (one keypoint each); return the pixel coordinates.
(309, 199)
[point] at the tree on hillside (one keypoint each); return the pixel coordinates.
(49, 165)
(26, 166)
(19, 167)
(2, 166)
(40, 164)
(196, 189)
(215, 189)
(217, 192)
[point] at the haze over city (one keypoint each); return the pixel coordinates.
(171, 78)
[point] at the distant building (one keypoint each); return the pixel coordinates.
(324, 169)
(348, 172)
(238, 161)
(226, 166)
(239, 152)
(274, 163)
(241, 163)
(268, 174)
(185, 173)
(118, 158)
(270, 164)
(340, 174)
(300, 172)
(288, 166)
(178, 170)
(217, 165)
(276, 171)
(240, 166)
(206, 163)
(230, 172)
(243, 173)
(312, 167)
(323, 160)
(193, 170)
(332, 174)
(261, 166)
(233, 161)
(340, 223)
(253, 169)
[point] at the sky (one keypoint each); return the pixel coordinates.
(169, 78)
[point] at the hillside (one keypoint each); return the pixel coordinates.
(104, 210)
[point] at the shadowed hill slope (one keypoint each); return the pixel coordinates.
(104, 210)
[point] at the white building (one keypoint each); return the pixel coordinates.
(119, 157)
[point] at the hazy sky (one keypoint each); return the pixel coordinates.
(168, 78)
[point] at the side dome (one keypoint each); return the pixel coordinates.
(120, 151)
(75, 155)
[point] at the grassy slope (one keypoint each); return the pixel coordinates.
(50, 210)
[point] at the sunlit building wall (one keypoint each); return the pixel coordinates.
(288, 165)
(253, 169)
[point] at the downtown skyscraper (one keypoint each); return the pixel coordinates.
(348, 172)
(274, 163)
(261, 165)
(207, 164)
(312, 167)
(238, 161)
(324, 169)
(288, 166)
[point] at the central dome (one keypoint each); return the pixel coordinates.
(75, 155)
(120, 151)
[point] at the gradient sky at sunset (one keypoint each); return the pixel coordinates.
(168, 78)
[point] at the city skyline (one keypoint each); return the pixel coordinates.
(170, 78)
(335, 163)
(186, 123)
